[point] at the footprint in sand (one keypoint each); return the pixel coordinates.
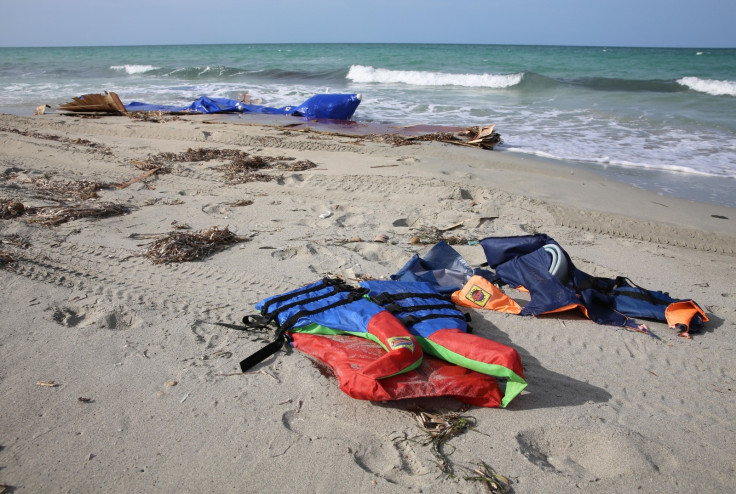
(591, 454)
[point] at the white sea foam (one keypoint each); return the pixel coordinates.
(367, 74)
(709, 86)
(133, 69)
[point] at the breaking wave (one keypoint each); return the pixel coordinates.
(367, 74)
(709, 86)
(133, 69)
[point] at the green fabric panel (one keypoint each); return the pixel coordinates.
(515, 384)
(319, 329)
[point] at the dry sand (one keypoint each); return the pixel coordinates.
(164, 408)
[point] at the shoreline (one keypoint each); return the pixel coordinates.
(146, 383)
(686, 186)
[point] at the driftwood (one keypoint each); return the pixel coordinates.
(484, 137)
(104, 103)
(478, 137)
(143, 176)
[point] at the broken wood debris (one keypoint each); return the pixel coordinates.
(91, 103)
(481, 137)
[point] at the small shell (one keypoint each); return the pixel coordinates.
(415, 240)
(356, 239)
(381, 237)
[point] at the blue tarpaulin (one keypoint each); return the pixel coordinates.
(332, 106)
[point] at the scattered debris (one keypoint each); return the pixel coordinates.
(433, 235)
(241, 203)
(381, 238)
(483, 137)
(47, 384)
(51, 137)
(496, 483)
(85, 400)
(440, 428)
(180, 226)
(11, 209)
(53, 216)
(67, 190)
(6, 260)
(183, 247)
(102, 103)
(15, 240)
(242, 167)
(248, 100)
(157, 116)
(40, 110)
(140, 177)
(170, 383)
(326, 214)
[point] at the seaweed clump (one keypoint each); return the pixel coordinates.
(190, 246)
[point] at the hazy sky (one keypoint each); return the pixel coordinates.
(676, 23)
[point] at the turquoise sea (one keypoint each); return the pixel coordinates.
(662, 119)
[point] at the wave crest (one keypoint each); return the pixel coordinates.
(709, 86)
(365, 74)
(133, 69)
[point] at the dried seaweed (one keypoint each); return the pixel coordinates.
(495, 482)
(183, 247)
(433, 235)
(57, 215)
(51, 137)
(241, 167)
(6, 259)
(439, 429)
(10, 208)
(68, 190)
(153, 116)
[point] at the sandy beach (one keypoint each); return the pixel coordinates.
(115, 377)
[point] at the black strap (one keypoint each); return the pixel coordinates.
(385, 299)
(412, 320)
(351, 297)
(400, 309)
(273, 347)
(262, 354)
(335, 289)
(286, 296)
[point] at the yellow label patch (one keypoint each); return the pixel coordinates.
(396, 342)
(478, 296)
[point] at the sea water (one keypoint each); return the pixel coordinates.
(662, 119)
